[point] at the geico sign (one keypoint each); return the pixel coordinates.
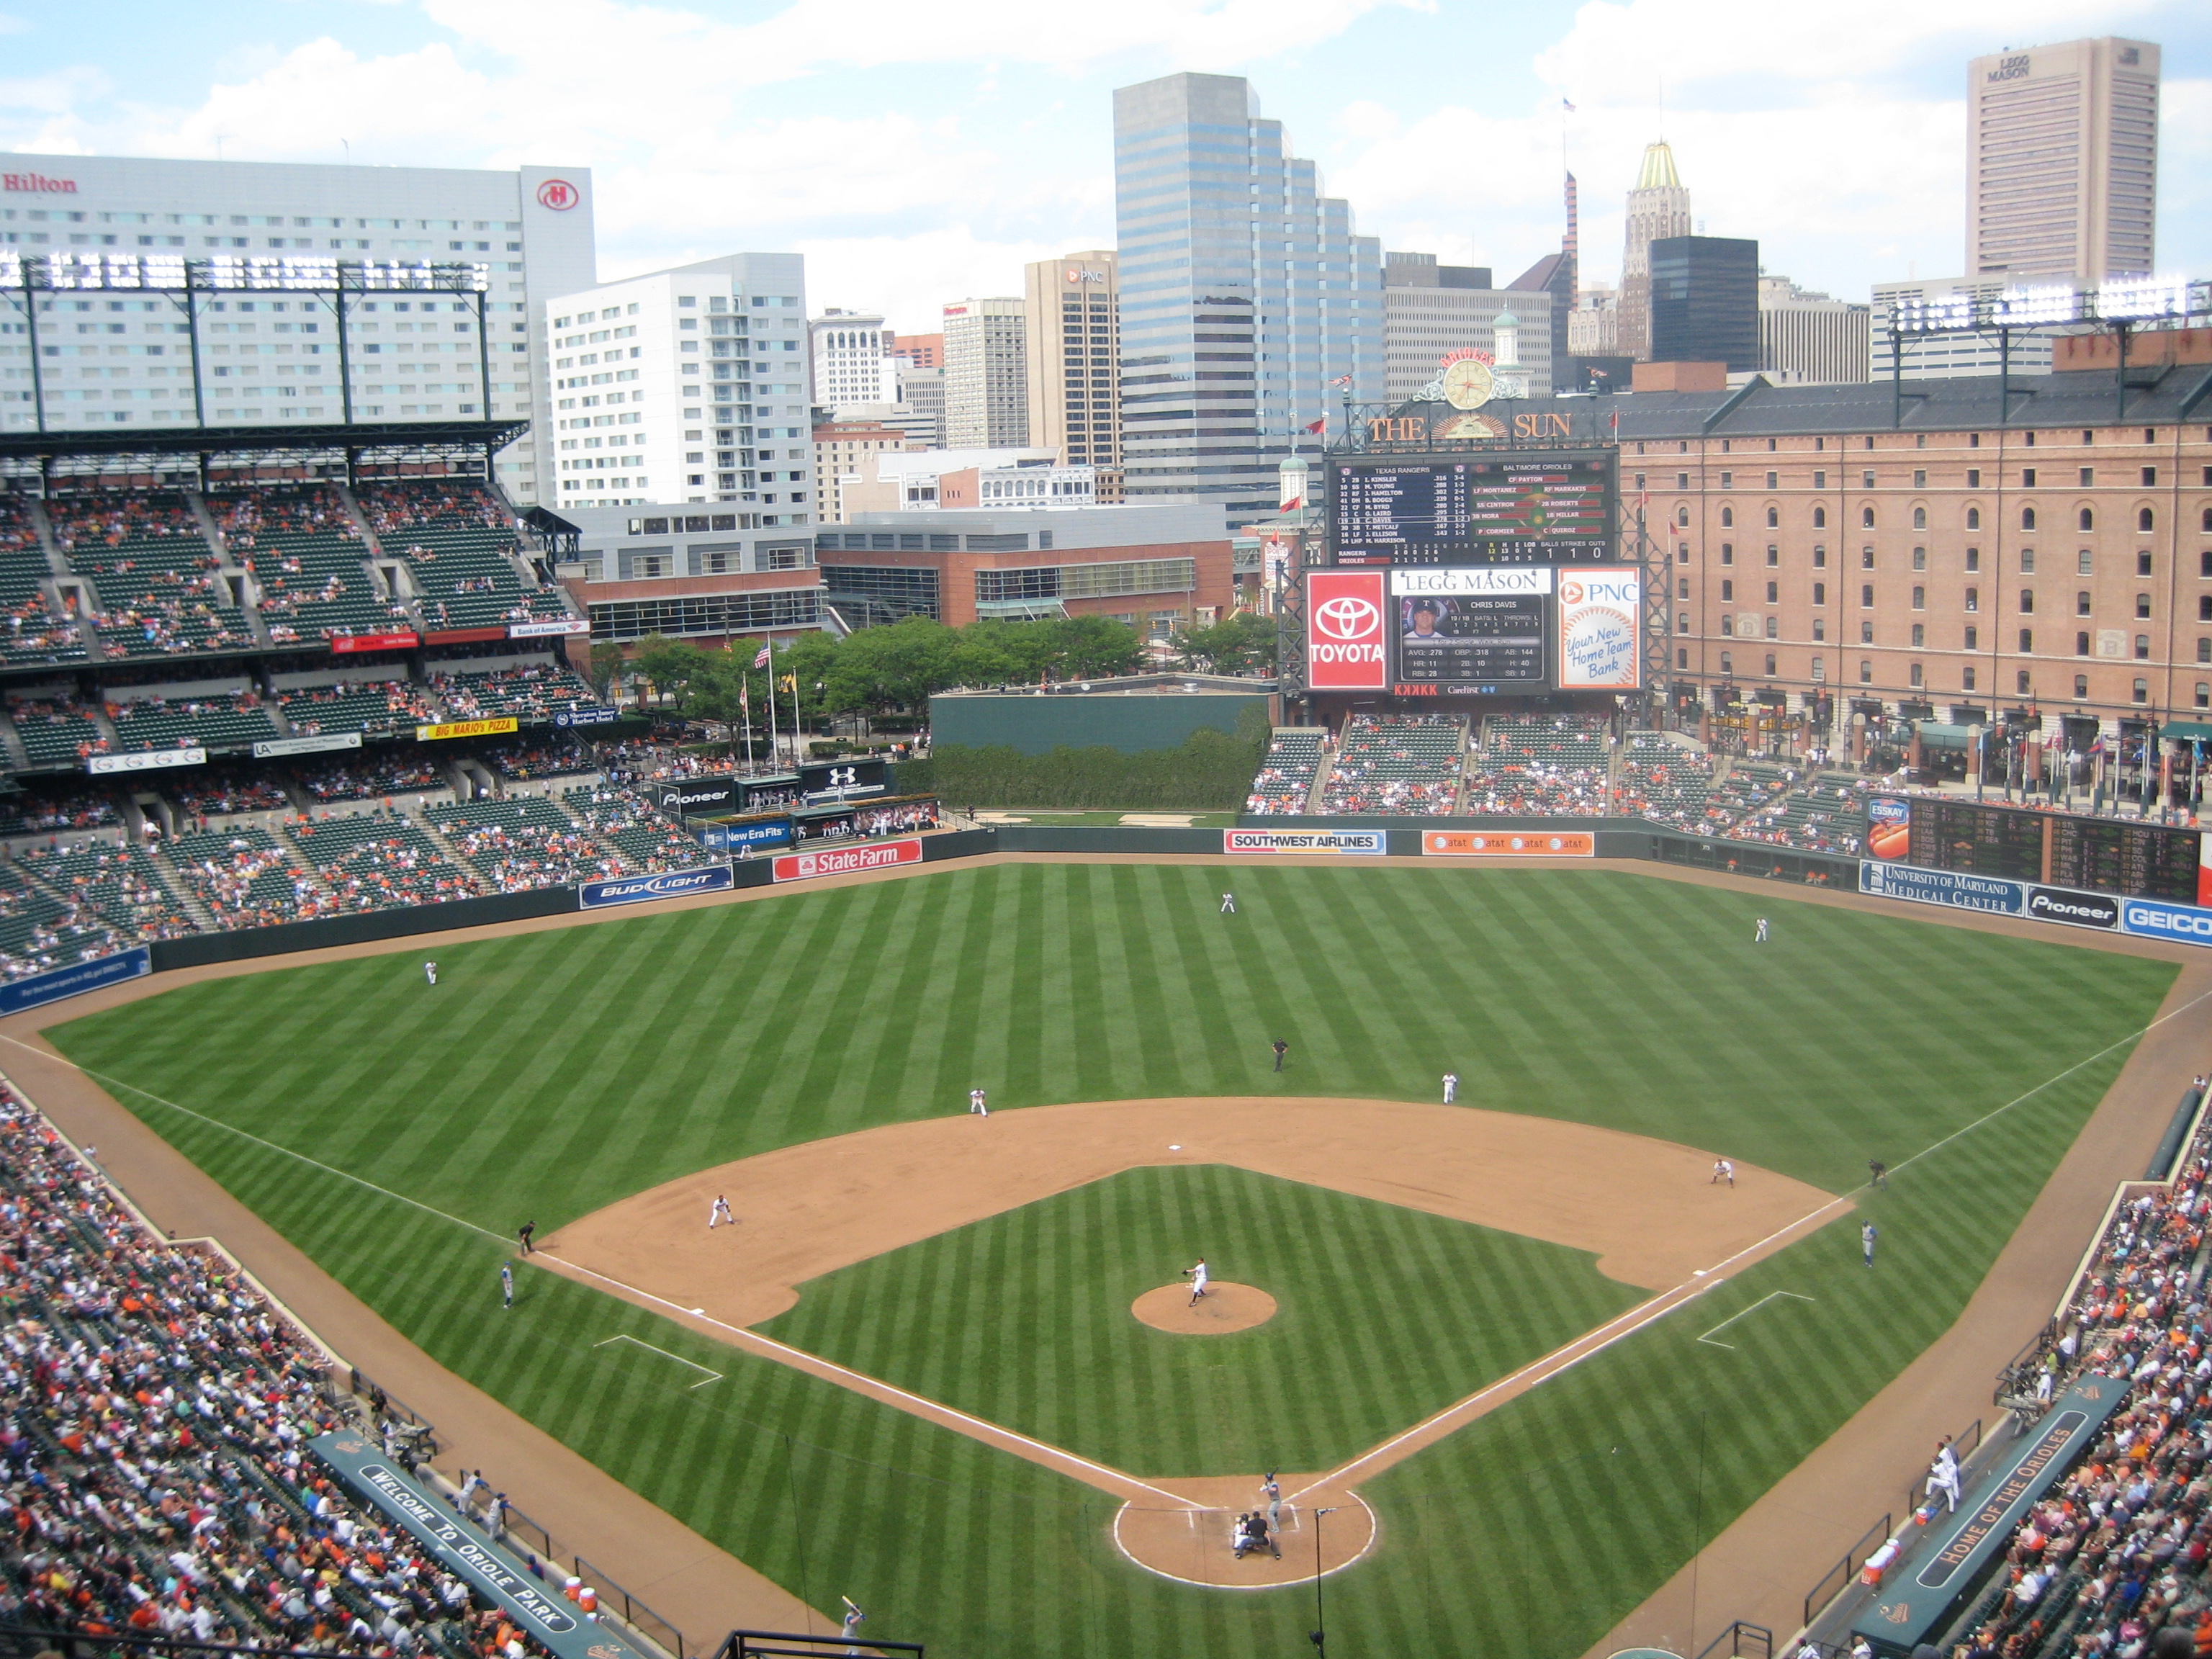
(2169, 921)
(1349, 618)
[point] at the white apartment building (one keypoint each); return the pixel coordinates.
(2061, 161)
(110, 358)
(686, 385)
(1940, 356)
(1809, 339)
(850, 364)
(985, 375)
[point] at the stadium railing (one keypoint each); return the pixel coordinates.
(786, 1644)
(1745, 1641)
(1839, 1578)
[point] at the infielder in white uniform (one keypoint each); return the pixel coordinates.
(979, 1102)
(1451, 1087)
(1197, 1277)
(719, 1215)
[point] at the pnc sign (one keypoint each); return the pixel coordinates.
(558, 195)
(1344, 630)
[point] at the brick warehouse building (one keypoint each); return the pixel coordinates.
(1157, 567)
(1939, 547)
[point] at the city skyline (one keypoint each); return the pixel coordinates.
(1001, 154)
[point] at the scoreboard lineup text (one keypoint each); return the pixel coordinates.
(2098, 856)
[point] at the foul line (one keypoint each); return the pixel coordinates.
(246, 1134)
(876, 1388)
(1772, 1296)
(624, 1336)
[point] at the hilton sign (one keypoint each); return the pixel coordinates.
(36, 184)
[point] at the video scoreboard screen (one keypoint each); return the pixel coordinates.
(2012, 843)
(1528, 506)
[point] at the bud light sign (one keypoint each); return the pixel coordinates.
(1343, 631)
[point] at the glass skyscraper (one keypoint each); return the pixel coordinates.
(1246, 296)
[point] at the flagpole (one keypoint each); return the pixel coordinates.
(746, 714)
(771, 703)
(794, 718)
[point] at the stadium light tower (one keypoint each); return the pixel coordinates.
(1320, 1633)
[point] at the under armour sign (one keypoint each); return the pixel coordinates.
(1343, 631)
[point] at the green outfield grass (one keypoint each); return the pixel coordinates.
(1011, 1318)
(550, 1074)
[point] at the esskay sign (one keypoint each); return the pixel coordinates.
(846, 861)
(1345, 641)
(1304, 841)
(146, 760)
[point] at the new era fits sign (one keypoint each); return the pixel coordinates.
(1343, 631)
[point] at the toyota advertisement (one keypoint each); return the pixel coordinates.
(1344, 631)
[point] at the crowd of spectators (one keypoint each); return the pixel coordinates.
(562, 758)
(153, 572)
(370, 777)
(1664, 783)
(524, 843)
(1822, 815)
(296, 510)
(244, 878)
(2116, 1551)
(379, 862)
(1554, 768)
(33, 632)
(372, 706)
(393, 509)
(156, 1463)
(50, 812)
(40, 931)
(120, 884)
(895, 817)
(532, 691)
(202, 792)
(633, 826)
(111, 518)
(1284, 783)
(1399, 764)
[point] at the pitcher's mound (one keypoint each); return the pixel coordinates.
(1225, 1307)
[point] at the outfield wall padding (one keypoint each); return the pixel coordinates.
(199, 950)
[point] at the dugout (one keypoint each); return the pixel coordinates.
(1134, 715)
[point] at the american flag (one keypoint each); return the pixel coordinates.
(1341, 379)
(761, 659)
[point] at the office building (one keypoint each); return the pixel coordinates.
(1158, 568)
(921, 398)
(691, 573)
(687, 385)
(924, 481)
(1807, 338)
(1246, 296)
(845, 452)
(1943, 357)
(852, 364)
(408, 358)
(986, 378)
(1430, 309)
(1704, 302)
(922, 351)
(1658, 208)
(1072, 309)
(2061, 161)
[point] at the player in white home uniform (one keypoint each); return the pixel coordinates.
(430, 972)
(1197, 1275)
(979, 1102)
(720, 1215)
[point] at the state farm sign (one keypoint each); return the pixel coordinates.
(1344, 630)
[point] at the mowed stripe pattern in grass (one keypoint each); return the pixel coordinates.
(567, 1069)
(1384, 1316)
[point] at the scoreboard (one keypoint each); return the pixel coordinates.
(2098, 856)
(1527, 507)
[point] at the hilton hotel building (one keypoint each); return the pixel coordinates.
(113, 358)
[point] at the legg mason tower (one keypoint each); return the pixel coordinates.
(1248, 306)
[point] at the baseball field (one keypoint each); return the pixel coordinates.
(916, 1379)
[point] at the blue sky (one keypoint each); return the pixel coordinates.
(921, 154)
